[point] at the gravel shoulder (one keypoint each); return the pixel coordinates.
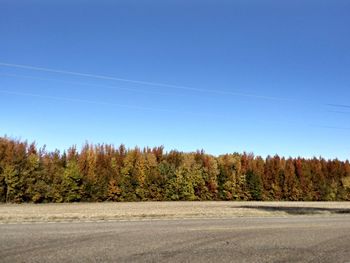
(14, 213)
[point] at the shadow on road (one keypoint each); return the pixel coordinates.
(299, 210)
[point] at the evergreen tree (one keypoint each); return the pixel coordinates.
(254, 185)
(72, 182)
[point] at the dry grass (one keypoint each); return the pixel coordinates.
(150, 210)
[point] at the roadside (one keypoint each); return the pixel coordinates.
(12, 213)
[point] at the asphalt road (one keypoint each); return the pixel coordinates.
(291, 239)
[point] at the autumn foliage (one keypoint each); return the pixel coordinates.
(107, 173)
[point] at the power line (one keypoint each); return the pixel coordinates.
(68, 99)
(82, 83)
(78, 100)
(339, 105)
(329, 127)
(148, 83)
(151, 84)
(339, 111)
(162, 93)
(102, 103)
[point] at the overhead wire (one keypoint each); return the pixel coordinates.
(68, 99)
(82, 83)
(148, 83)
(133, 89)
(102, 103)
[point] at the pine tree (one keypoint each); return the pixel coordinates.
(72, 182)
(254, 185)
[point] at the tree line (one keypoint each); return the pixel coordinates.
(108, 173)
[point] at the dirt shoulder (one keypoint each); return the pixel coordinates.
(12, 213)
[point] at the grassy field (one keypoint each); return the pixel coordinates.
(170, 210)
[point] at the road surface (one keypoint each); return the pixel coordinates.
(289, 239)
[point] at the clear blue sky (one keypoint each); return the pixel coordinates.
(223, 76)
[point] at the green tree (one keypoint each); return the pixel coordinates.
(254, 185)
(72, 182)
